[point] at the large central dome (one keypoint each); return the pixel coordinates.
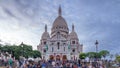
(60, 21)
(60, 26)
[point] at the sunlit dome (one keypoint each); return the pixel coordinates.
(45, 35)
(73, 34)
(60, 21)
(60, 25)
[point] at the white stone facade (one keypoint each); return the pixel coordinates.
(60, 43)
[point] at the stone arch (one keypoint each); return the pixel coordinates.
(64, 57)
(51, 57)
(58, 57)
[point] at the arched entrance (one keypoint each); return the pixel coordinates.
(64, 57)
(51, 57)
(58, 57)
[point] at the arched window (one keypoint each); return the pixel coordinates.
(64, 48)
(52, 43)
(58, 32)
(52, 49)
(76, 42)
(73, 50)
(44, 51)
(58, 45)
(44, 43)
(63, 43)
(73, 42)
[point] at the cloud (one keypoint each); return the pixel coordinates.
(24, 20)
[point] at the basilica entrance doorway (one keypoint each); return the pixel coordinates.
(58, 57)
(64, 58)
(51, 57)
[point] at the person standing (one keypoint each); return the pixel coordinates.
(75, 65)
(10, 62)
(57, 65)
(53, 64)
(44, 65)
(89, 66)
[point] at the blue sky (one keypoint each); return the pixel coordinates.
(24, 20)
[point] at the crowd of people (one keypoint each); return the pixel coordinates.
(27, 63)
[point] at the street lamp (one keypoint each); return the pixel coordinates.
(96, 43)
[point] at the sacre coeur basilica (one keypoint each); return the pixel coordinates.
(60, 44)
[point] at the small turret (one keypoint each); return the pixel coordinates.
(45, 35)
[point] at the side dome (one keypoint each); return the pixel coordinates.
(73, 34)
(45, 35)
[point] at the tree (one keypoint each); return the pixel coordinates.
(111, 56)
(91, 55)
(118, 59)
(0, 46)
(104, 53)
(98, 55)
(25, 50)
(17, 52)
(36, 54)
(21, 50)
(82, 56)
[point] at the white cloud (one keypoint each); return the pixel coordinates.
(23, 21)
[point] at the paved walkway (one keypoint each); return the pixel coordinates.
(2, 67)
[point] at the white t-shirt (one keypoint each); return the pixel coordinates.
(0, 58)
(89, 66)
(53, 63)
(101, 67)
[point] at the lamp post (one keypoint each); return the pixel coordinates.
(96, 43)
